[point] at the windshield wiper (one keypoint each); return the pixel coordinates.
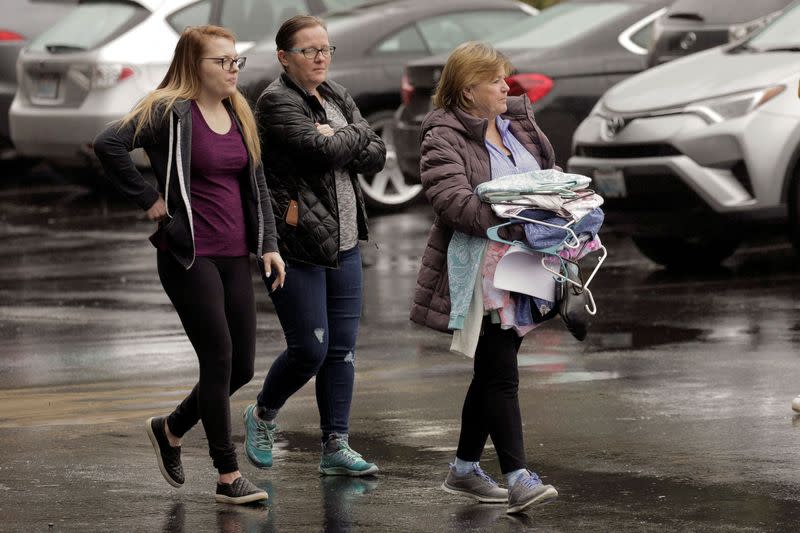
(61, 48)
(792, 48)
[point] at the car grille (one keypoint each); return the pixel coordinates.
(626, 151)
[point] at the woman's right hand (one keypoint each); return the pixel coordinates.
(324, 129)
(157, 211)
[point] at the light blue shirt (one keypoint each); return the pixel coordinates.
(465, 252)
(502, 165)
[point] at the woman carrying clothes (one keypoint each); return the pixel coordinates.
(314, 142)
(213, 209)
(476, 133)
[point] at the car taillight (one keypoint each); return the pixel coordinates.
(105, 76)
(406, 89)
(536, 86)
(8, 35)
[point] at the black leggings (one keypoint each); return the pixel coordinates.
(492, 403)
(215, 302)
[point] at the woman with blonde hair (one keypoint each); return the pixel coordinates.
(477, 133)
(201, 136)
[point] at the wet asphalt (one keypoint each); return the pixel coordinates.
(673, 415)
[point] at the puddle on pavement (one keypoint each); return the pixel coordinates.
(640, 336)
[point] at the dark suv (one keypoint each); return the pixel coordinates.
(690, 26)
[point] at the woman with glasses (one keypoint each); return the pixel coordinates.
(314, 141)
(213, 209)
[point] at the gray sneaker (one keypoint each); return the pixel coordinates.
(239, 492)
(476, 484)
(529, 490)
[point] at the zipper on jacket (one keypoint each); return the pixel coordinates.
(254, 184)
(182, 182)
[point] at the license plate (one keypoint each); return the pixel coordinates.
(46, 86)
(610, 182)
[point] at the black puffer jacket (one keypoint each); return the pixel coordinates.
(299, 164)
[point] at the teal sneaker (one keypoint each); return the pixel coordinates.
(339, 459)
(259, 436)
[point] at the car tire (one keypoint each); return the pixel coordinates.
(684, 253)
(793, 224)
(388, 190)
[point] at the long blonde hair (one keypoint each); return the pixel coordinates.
(470, 63)
(182, 82)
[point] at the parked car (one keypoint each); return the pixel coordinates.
(693, 153)
(22, 20)
(373, 43)
(691, 26)
(92, 66)
(564, 60)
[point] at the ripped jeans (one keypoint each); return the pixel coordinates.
(319, 309)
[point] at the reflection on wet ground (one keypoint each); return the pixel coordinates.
(672, 415)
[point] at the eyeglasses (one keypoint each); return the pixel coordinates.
(311, 52)
(227, 62)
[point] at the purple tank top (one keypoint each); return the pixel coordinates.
(219, 162)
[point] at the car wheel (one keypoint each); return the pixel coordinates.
(387, 190)
(687, 253)
(794, 210)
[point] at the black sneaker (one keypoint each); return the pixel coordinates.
(169, 457)
(238, 492)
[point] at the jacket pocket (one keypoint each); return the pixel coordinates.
(292, 216)
(178, 235)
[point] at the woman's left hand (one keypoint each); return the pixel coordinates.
(273, 260)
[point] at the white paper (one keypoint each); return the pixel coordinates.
(520, 270)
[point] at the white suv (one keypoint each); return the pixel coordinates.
(98, 61)
(694, 153)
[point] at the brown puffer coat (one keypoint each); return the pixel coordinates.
(454, 160)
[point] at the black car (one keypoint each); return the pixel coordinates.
(373, 43)
(564, 60)
(689, 26)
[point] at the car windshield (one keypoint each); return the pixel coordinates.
(559, 24)
(338, 5)
(80, 29)
(781, 33)
(333, 21)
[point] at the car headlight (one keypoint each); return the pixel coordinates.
(735, 105)
(598, 108)
(742, 30)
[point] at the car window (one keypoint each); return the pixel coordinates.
(252, 20)
(724, 11)
(445, 32)
(79, 29)
(192, 15)
(782, 32)
(406, 40)
(644, 36)
(559, 24)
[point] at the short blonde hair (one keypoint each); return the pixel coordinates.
(470, 63)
